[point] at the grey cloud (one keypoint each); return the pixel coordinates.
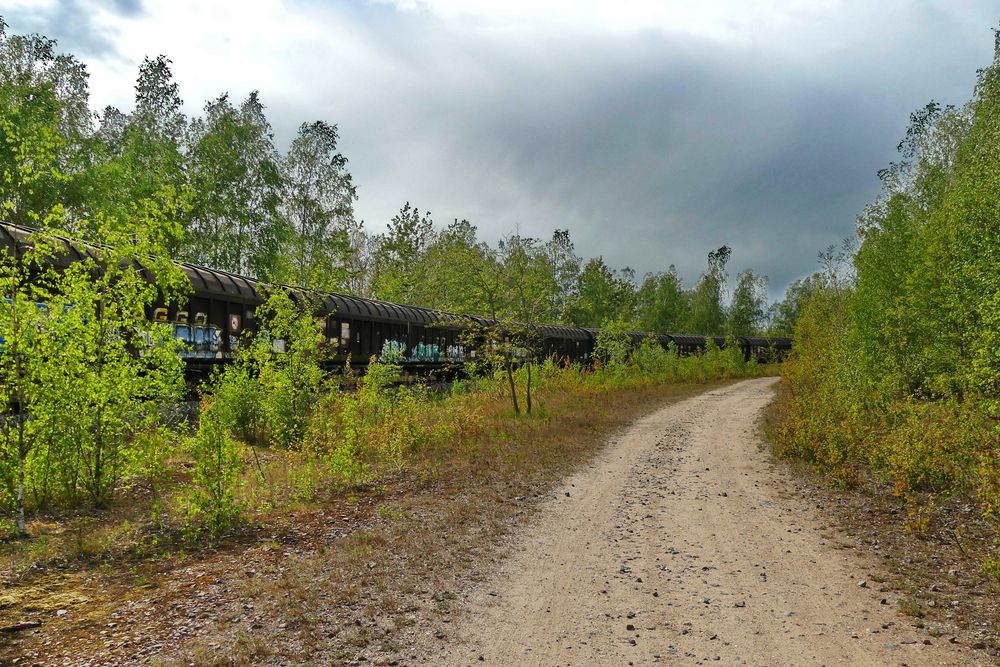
(72, 23)
(129, 8)
(655, 151)
(652, 148)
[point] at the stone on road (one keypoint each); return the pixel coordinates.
(680, 544)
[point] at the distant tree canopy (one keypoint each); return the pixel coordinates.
(223, 195)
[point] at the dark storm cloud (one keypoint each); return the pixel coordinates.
(653, 146)
(655, 150)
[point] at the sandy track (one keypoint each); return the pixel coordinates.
(677, 546)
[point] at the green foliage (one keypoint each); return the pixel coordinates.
(381, 426)
(897, 371)
(929, 446)
(613, 344)
(84, 369)
(748, 305)
(88, 377)
(432, 279)
(22, 324)
(218, 462)
(708, 314)
(729, 358)
(289, 366)
(234, 203)
(602, 294)
(268, 394)
(136, 164)
(662, 304)
(318, 204)
(400, 262)
(623, 363)
(236, 390)
(819, 390)
(651, 359)
(89, 372)
(564, 265)
(376, 425)
(277, 376)
(235, 224)
(530, 280)
(785, 313)
(42, 118)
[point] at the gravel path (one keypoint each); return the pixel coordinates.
(679, 546)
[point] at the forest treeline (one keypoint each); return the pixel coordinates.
(87, 381)
(219, 193)
(896, 368)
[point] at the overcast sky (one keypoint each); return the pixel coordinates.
(654, 131)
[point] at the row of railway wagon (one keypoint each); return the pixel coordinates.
(221, 311)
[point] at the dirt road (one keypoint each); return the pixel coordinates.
(678, 546)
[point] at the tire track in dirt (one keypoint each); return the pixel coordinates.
(677, 545)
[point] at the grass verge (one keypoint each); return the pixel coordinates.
(336, 575)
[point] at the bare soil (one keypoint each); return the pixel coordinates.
(683, 542)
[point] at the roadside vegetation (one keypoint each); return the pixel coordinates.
(274, 430)
(895, 375)
(87, 381)
(447, 472)
(101, 476)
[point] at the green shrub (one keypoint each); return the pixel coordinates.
(651, 359)
(237, 390)
(292, 380)
(613, 345)
(218, 463)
